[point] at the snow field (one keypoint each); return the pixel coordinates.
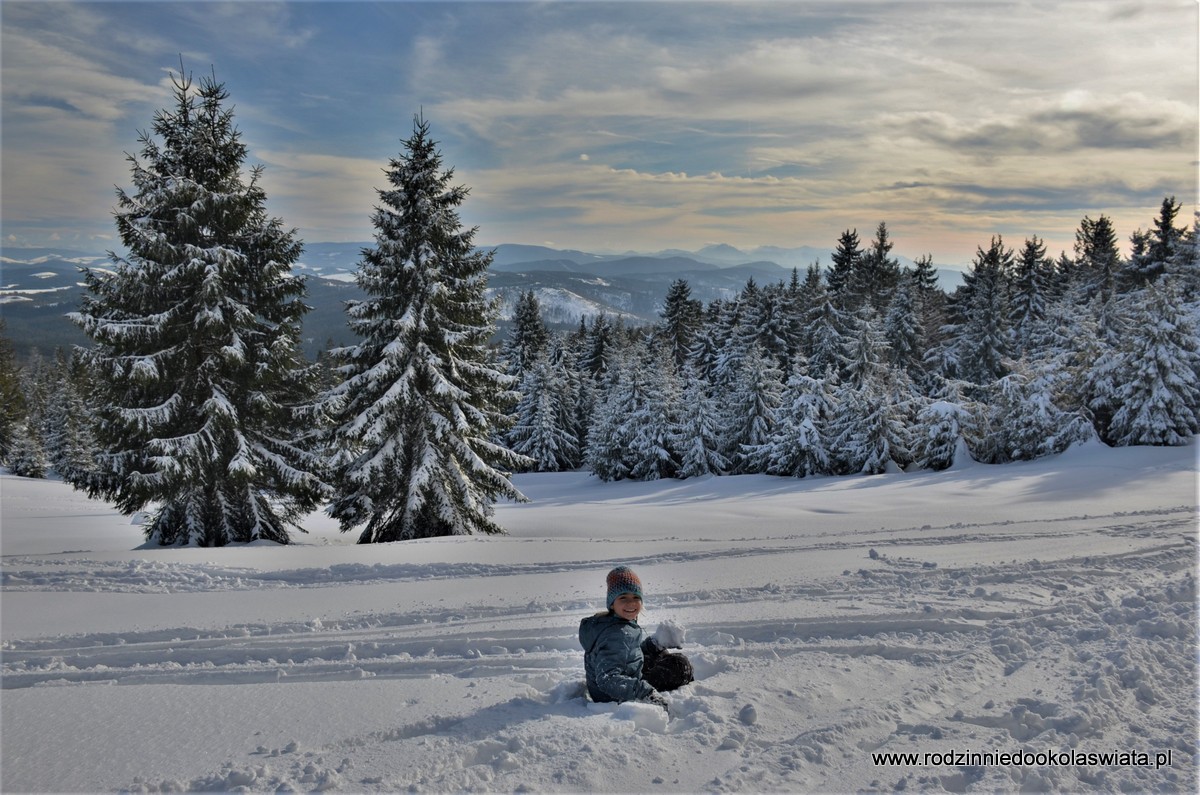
(821, 631)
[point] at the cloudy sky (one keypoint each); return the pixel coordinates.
(634, 125)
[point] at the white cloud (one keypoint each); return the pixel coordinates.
(656, 123)
(331, 197)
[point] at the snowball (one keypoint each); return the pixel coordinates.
(670, 635)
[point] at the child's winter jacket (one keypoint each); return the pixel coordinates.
(613, 658)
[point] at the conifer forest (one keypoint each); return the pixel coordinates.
(193, 400)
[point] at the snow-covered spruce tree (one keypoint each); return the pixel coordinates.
(544, 427)
(805, 296)
(26, 454)
(421, 396)
(876, 272)
(581, 386)
(203, 395)
(633, 433)
(826, 337)
(872, 415)
(1154, 375)
(698, 435)
(732, 340)
(681, 318)
(866, 349)
(529, 336)
(886, 426)
(1063, 348)
(608, 443)
(751, 409)
(12, 398)
(798, 447)
(773, 326)
(983, 340)
(599, 347)
(1027, 308)
(844, 263)
(651, 430)
(1020, 421)
(939, 435)
(931, 312)
(1184, 266)
(706, 350)
(68, 421)
(903, 331)
(1097, 260)
(1152, 251)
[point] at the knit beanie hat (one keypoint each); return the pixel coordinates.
(622, 580)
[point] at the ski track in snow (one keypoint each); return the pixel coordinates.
(1089, 652)
(144, 576)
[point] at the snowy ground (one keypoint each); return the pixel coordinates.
(1037, 607)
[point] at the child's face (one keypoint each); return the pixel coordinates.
(627, 606)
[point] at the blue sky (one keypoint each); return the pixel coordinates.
(634, 125)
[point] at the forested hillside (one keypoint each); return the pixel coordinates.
(869, 366)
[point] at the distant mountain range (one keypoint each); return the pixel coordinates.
(38, 286)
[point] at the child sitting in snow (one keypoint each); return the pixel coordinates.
(622, 663)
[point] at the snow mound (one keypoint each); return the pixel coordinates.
(650, 717)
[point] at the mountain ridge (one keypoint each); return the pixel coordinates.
(39, 286)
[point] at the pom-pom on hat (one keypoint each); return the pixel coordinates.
(622, 580)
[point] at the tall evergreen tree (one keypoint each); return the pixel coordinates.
(1184, 266)
(706, 349)
(608, 440)
(580, 386)
(1061, 276)
(869, 430)
(421, 397)
(204, 396)
(798, 446)
(12, 398)
(698, 433)
(544, 430)
(924, 275)
(984, 340)
(845, 261)
(1063, 350)
(1154, 250)
(877, 271)
(681, 319)
(529, 336)
(735, 335)
(67, 423)
(1154, 375)
(27, 454)
(1020, 421)
(1096, 258)
(651, 428)
(1027, 308)
(804, 298)
(826, 339)
(903, 330)
(930, 301)
(939, 435)
(886, 437)
(867, 349)
(600, 347)
(752, 407)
